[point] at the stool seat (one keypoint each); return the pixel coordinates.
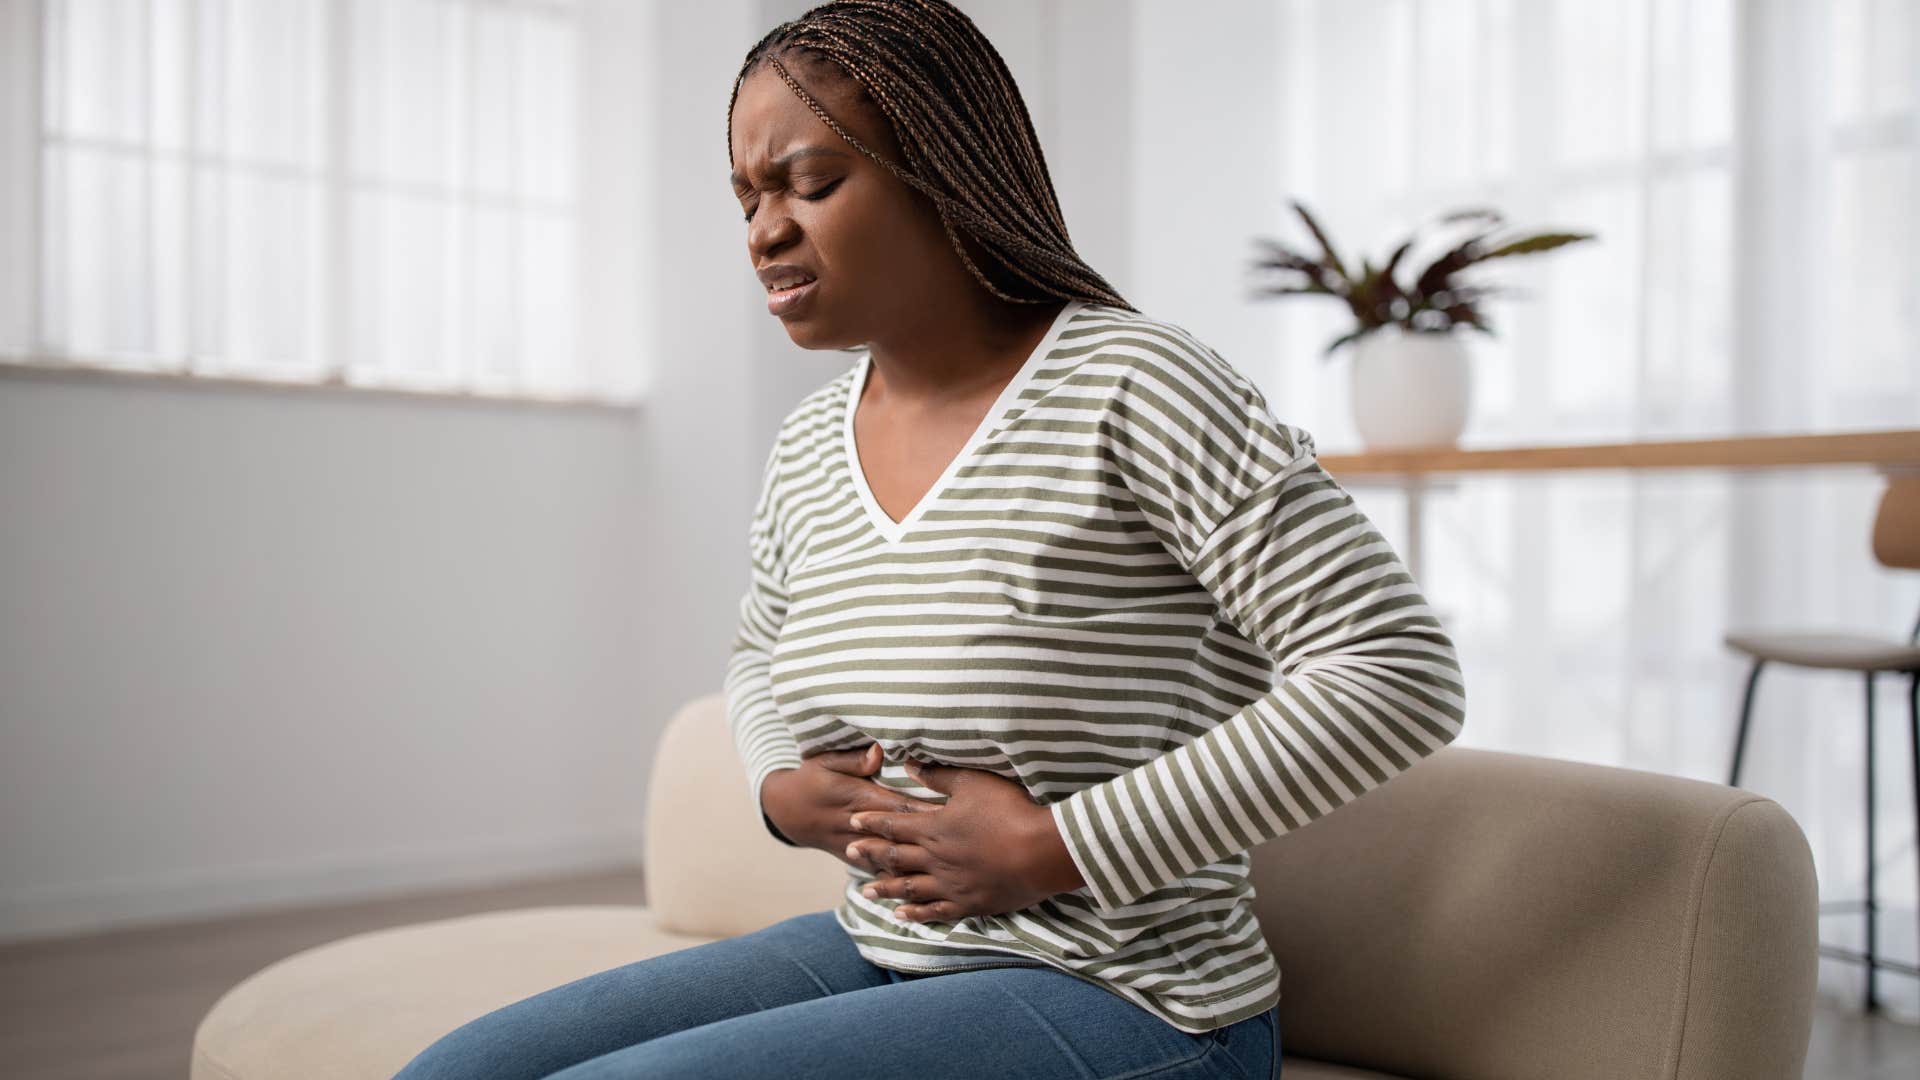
(1828, 649)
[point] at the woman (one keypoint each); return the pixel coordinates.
(1020, 581)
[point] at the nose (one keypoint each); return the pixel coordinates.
(770, 230)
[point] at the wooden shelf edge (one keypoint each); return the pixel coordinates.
(1892, 450)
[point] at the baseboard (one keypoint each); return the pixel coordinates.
(213, 892)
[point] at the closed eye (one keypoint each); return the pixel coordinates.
(814, 197)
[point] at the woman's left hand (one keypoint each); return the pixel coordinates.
(989, 849)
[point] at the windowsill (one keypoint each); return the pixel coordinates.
(60, 370)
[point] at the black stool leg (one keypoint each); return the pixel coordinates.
(1873, 909)
(1913, 714)
(1746, 714)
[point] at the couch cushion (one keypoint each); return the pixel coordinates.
(363, 1006)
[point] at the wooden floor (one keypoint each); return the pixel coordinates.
(124, 1005)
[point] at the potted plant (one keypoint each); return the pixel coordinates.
(1411, 379)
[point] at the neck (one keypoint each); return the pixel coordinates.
(942, 355)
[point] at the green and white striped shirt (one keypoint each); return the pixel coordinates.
(1133, 591)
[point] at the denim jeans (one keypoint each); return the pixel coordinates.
(796, 1000)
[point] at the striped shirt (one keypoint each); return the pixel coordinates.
(1133, 591)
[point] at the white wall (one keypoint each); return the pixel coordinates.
(1206, 169)
(262, 648)
(271, 647)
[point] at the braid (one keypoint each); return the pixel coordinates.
(966, 139)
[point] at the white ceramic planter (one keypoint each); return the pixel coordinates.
(1411, 389)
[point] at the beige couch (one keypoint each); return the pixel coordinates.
(1483, 915)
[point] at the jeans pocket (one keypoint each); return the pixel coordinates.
(1225, 1033)
(1241, 1041)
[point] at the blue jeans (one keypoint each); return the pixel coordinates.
(796, 1000)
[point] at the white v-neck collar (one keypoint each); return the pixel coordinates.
(892, 530)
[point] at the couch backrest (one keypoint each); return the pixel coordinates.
(1483, 914)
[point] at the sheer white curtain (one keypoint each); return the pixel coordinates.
(395, 193)
(1753, 173)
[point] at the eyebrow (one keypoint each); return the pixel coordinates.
(786, 159)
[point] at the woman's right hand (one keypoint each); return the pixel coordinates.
(811, 805)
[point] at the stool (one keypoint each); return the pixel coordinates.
(1896, 544)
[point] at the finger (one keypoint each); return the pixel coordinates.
(860, 762)
(919, 888)
(876, 854)
(932, 775)
(905, 828)
(937, 911)
(855, 762)
(879, 796)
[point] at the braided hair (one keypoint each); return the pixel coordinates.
(965, 137)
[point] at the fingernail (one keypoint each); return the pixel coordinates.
(869, 892)
(853, 851)
(853, 823)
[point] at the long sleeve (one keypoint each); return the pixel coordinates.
(1366, 681)
(761, 736)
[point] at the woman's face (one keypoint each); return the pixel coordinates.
(874, 246)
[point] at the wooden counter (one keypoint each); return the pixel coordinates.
(1412, 469)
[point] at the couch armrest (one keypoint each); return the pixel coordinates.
(1500, 914)
(713, 869)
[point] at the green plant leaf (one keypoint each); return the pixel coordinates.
(1477, 213)
(1279, 251)
(1351, 335)
(1290, 290)
(1434, 302)
(1393, 261)
(1528, 245)
(1294, 263)
(1462, 255)
(1377, 299)
(1326, 245)
(1284, 259)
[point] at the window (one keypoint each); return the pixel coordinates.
(1750, 171)
(373, 193)
(1753, 174)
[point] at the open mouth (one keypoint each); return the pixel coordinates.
(781, 301)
